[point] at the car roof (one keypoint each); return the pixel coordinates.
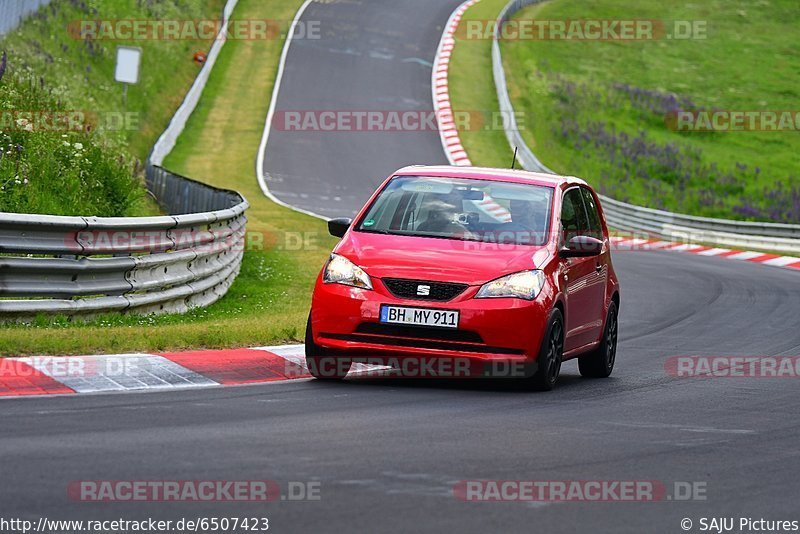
(488, 173)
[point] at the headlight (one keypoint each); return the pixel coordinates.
(340, 270)
(523, 285)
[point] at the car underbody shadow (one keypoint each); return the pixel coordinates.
(496, 384)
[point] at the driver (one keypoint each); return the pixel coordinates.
(529, 216)
(442, 210)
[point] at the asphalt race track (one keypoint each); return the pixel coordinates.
(372, 55)
(387, 453)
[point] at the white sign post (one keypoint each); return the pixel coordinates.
(129, 59)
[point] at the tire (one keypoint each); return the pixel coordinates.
(550, 353)
(600, 362)
(321, 364)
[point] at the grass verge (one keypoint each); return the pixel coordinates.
(269, 301)
(80, 72)
(68, 143)
(600, 109)
(472, 90)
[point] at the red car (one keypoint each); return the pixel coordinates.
(465, 271)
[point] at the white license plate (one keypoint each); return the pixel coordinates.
(419, 316)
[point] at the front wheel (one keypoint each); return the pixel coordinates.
(600, 362)
(323, 365)
(550, 353)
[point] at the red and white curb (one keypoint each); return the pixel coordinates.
(774, 260)
(441, 92)
(448, 131)
(457, 155)
(67, 375)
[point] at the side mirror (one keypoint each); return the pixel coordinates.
(582, 246)
(338, 227)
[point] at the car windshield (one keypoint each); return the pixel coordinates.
(459, 208)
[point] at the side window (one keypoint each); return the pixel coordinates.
(595, 226)
(573, 215)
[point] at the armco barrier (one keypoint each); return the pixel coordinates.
(91, 265)
(663, 224)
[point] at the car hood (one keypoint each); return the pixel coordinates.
(445, 260)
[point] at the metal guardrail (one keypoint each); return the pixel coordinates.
(623, 216)
(92, 265)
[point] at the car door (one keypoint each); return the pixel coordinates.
(583, 278)
(599, 286)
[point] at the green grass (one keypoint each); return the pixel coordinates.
(60, 173)
(50, 70)
(472, 90)
(581, 99)
(269, 301)
(575, 94)
(81, 72)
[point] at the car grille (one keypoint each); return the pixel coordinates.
(421, 337)
(422, 343)
(419, 332)
(439, 291)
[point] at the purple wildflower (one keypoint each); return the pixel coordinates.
(3, 63)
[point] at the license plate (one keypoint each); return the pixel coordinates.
(419, 316)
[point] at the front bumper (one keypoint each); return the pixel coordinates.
(495, 337)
